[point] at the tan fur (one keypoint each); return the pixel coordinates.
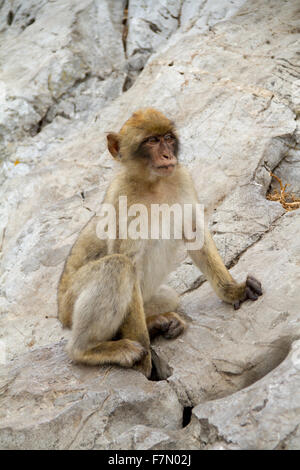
(108, 288)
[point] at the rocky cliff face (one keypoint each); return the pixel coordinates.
(228, 72)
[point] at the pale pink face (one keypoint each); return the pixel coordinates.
(160, 150)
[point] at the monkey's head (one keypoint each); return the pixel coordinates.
(147, 144)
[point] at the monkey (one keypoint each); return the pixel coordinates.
(111, 292)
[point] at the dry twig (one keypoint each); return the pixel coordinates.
(286, 199)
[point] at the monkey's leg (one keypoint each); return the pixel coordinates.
(134, 328)
(123, 352)
(161, 319)
(164, 300)
(99, 311)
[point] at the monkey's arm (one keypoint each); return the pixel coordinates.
(211, 264)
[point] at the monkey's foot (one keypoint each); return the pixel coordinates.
(170, 325)
(145, 365)
(252, 291)
(123, 352)
(131, 353)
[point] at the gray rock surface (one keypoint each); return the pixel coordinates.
(225, 350)
(228, 73)
(246, 420)
(289, 172)
(61, 58)
(150, 24)
(51, 403)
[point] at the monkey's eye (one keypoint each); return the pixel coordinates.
(152, 140)
(169, 137)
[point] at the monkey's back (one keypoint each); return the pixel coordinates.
(88, 247)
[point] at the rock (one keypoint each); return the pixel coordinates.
(49, 403)
(242, 219)
(289, 172)
(205, 14)
(185, 277)
(77, 70)
(151, 24)
(148, 438)
(66, 70)
(264, 416)
(224, 350)
(230, 85)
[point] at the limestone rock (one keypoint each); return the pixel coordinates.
(224, 350)
(289, 172)
(49, 403)
(150, 24)
(57, 58)
(242, 219)
(264, 416)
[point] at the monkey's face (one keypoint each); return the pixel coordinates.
(160, 153)
(147, 144)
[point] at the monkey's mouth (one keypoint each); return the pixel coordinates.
(164, 169)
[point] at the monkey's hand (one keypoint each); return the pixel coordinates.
(251, 290)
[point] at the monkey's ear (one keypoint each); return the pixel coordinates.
(113, 144)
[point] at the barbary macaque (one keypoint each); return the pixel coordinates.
(111, 291)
